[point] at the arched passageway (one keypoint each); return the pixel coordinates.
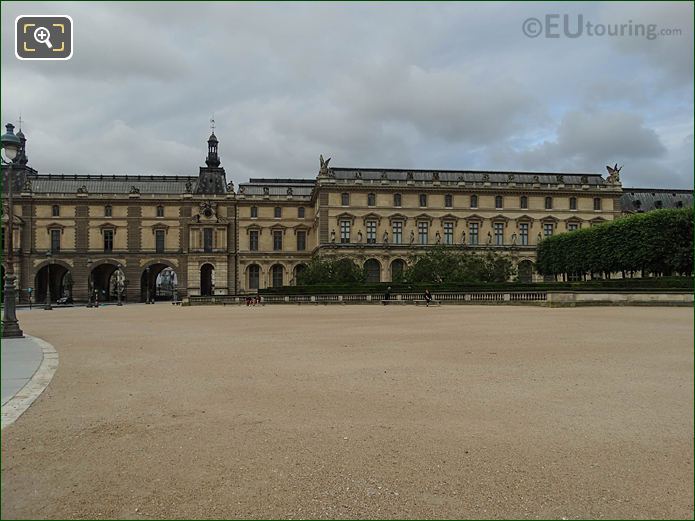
(106, 280)
(207, 280)
(158, 281)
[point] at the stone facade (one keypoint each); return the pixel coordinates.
(223, 241)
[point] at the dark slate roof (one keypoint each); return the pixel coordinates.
(300, 187)
(111, 184)
(467, 175)
(646, 199)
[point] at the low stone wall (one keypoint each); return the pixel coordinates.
(539, 298)
(623, 298)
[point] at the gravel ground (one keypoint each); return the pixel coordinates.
(357, 411)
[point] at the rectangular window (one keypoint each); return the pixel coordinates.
(396, 199)
(423, 200)
(301, 240)
(548, 229)
(301, 211)
(277, 240)
(55, 241)
(207, 240)
(371, 199)
(422, 231)
(573, 203)
(448, 233)
(55, 210)
(159, 241)
(160, 211)
(597, 203)
(523, 202)
(397, 229)
(108, 211)
(473, 229)
(253, 240)
(572, 227)
(371, 232)
(345, 199)
(254, 212)
(448, 201)
(278, 212)
(344, 231)
(108, 240)
(499, 234)
(523, 233)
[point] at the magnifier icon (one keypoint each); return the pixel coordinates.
(42, 35)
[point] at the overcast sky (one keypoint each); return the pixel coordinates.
(435, 86)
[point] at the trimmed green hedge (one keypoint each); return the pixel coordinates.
(672, 283)
(658, 242)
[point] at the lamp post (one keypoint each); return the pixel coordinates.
(90, 284)
(10, 325)
(48, 306)
(147, 285)
(119, 289)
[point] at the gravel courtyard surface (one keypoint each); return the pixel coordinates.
(357, 411)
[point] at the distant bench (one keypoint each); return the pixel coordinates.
(424, 302)
(387, 302)
(175, 302)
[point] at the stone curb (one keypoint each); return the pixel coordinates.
(21, 401)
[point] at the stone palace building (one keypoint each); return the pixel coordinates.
(90, 234)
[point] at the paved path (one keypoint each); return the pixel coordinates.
(27, 367)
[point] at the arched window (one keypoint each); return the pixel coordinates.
(301, 212)
(254, 272)
(373, 269)
(108, 211)
(160, 211)
(498, 202)
(597, 203)
(548, 203)
(523, 202)
(276, 273)
(371, 200)
(397, 268)
(298, 270)
(448, 201)
(55, 210)
(474, 201)
(397, 199)
(573, 203)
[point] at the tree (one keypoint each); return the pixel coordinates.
(659, 242)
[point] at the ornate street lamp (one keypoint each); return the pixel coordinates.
(147, 285)
(48, 306)
(10, 325)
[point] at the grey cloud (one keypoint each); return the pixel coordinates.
(393, 85)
